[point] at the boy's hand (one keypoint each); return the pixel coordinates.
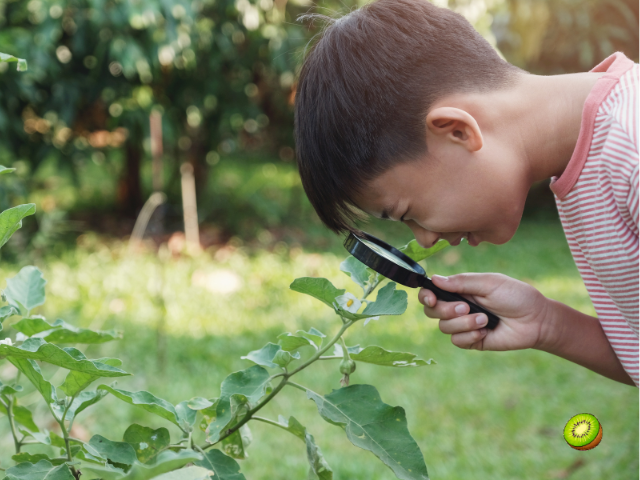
(521, 308)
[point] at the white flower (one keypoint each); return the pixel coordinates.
(348, 302)
(367, 320)
(6, 341)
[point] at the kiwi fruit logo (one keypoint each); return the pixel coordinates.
(583, 431)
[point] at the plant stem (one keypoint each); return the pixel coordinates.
(345, 352)
(275, 424)
(286, 376)
(298, 386)
(8, 406)
(331, 357)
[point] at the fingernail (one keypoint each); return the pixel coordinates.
(481, 319)
(439, 277)
(460, 309)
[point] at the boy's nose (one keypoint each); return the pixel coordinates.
(424, 237)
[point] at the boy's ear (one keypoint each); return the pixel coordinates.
(455, 125)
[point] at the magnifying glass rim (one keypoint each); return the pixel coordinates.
(410, 278)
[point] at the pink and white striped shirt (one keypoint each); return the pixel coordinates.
(597, 198)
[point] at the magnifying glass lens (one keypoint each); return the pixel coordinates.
(386, 254)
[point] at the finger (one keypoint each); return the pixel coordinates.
(427, 297)
(463, 324)
(481, 284)
(446, 310)
(470, 340)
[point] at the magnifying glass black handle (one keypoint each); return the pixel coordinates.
(454, 297)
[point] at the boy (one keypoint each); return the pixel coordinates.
(403, 111)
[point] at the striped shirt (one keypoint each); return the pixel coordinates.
(597, 198)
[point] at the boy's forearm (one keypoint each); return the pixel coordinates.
(579, 338)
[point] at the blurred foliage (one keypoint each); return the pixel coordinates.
(222, 73)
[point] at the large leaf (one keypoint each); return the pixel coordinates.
(319, 288)
(24, 417)
(187, 473)
(268, 356)
(291, 341)
(417, 253)
(69, 358)
(388, 302)
(35, 458)
(380, 356)
(25, 291)
(83, 401)
(116, 452)
(78, 381)
(103, 472)
(357, 270)
(11, 220)
(64, 333)
(239, 391)
(317, 463)
(186, 415)
(39, 471)
(235, 445)
(32, 325)
(147, 401)
(145, 441)
(165, 462)
(31, 370)
(225, 468)
(375, 426)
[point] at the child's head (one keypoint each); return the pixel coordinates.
(364, 95)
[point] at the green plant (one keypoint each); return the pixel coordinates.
(204, 422)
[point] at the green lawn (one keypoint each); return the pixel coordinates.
(475, 415)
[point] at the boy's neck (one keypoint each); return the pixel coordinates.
(550, 117)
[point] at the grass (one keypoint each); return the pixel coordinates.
(475, 415)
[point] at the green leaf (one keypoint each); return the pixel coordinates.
(145, 441)
(22, 66)
(166, 461)
(116, 452)
(225, 468)
(83, 401)
(9, 389)
(147, 401)
(239, 391)
(65, 333)
(388, 302)
(187, 473)
(103, 472)
(39, 471)
(235, 445)
(25, 291)
(35, 458)
(319, 288)
(266, 356)
(4, 170)
(417, 253)
(32, 325)
(186, 415)
(69, 358)
(78, 381)
(32, 371)
(199, 403)
(380, 356)
(290, 341)
(24, 417)
(6, 312)
(11, 221)
(375, 426)
(357, 271)
(317, 463)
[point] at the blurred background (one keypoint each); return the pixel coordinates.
(194, 100)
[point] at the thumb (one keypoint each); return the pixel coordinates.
(480, 284)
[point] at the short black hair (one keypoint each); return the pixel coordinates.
(365, 88)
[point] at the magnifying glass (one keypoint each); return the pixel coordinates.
(395, 265)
